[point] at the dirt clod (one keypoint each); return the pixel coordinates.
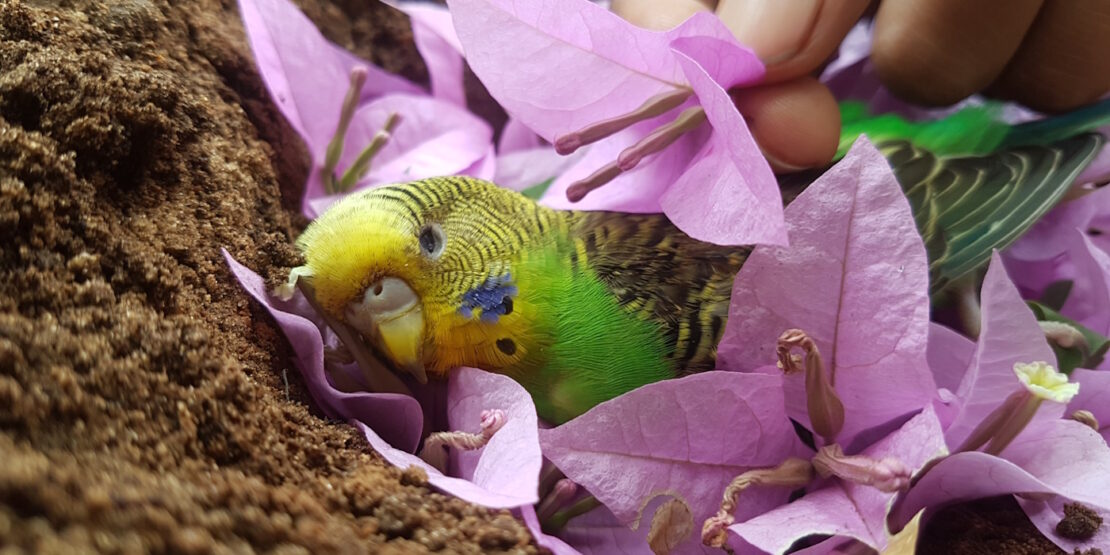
(1079, 523)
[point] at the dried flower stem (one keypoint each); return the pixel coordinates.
(652, 107)
(793, 472)
(492, 420)
(826, 411)
(887, 474)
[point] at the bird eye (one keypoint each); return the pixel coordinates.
(432, 241)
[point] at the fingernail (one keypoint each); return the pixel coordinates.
(775, 29)
(782, 167)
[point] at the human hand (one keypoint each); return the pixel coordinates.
(1050, 55)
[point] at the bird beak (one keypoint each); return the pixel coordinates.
(390, 314)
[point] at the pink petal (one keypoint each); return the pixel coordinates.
(504, 473)
(516, 137)
(485, 167)
(459, 487)
(599, 532)
(855, 279)
(1059, 457)
(949, 354)
(1050, 236)
(552, 543)
(716, 426)
(435, 38)
(1098, 171)
(1010, 334)
(398, 418)
(729, 195)
(510, 463)
(845, 509)
(1089, 300)
(1032, 277)
(1045, 515)
(521, 169)
(307, 76)
(559, 65)
(1093, 396)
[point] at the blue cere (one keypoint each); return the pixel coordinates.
(489, 297)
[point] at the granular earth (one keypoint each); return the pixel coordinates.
(146, 405)
(143, 406)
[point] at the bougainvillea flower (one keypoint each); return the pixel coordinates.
(858, 286)
(855, 280)
(1069, 244)
(686, 437)
(503, 474)
(309, 78)
(1009, 335)
(1010, 396)
(1050, 458)
(579, 74)
(844, 509)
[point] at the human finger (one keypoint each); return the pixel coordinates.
(937, 52)
(792, 37)
(659, 14)
(1064, 61)
(796, 123)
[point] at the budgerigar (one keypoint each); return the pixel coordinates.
(580, 307)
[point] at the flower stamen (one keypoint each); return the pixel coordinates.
(579, 189)
(361, 164)
(435, 445)
(1042, 383)
(888, 474)
(826, 411)
(346, 114)
(661, 138)
(793, 472)
(652, 107)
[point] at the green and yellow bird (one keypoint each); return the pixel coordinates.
(580, 307)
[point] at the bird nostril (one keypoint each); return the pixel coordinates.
(378, 288)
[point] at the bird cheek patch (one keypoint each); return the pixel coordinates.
(493, 298)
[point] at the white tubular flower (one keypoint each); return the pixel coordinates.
(1043, 381)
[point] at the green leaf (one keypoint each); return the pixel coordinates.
(536, 191)
(1072, 358)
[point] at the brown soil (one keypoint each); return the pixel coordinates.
(142, 401)
(146, 405)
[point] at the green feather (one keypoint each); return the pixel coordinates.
(971, 131)
(592, 349)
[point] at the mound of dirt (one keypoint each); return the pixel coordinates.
(143, 401)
